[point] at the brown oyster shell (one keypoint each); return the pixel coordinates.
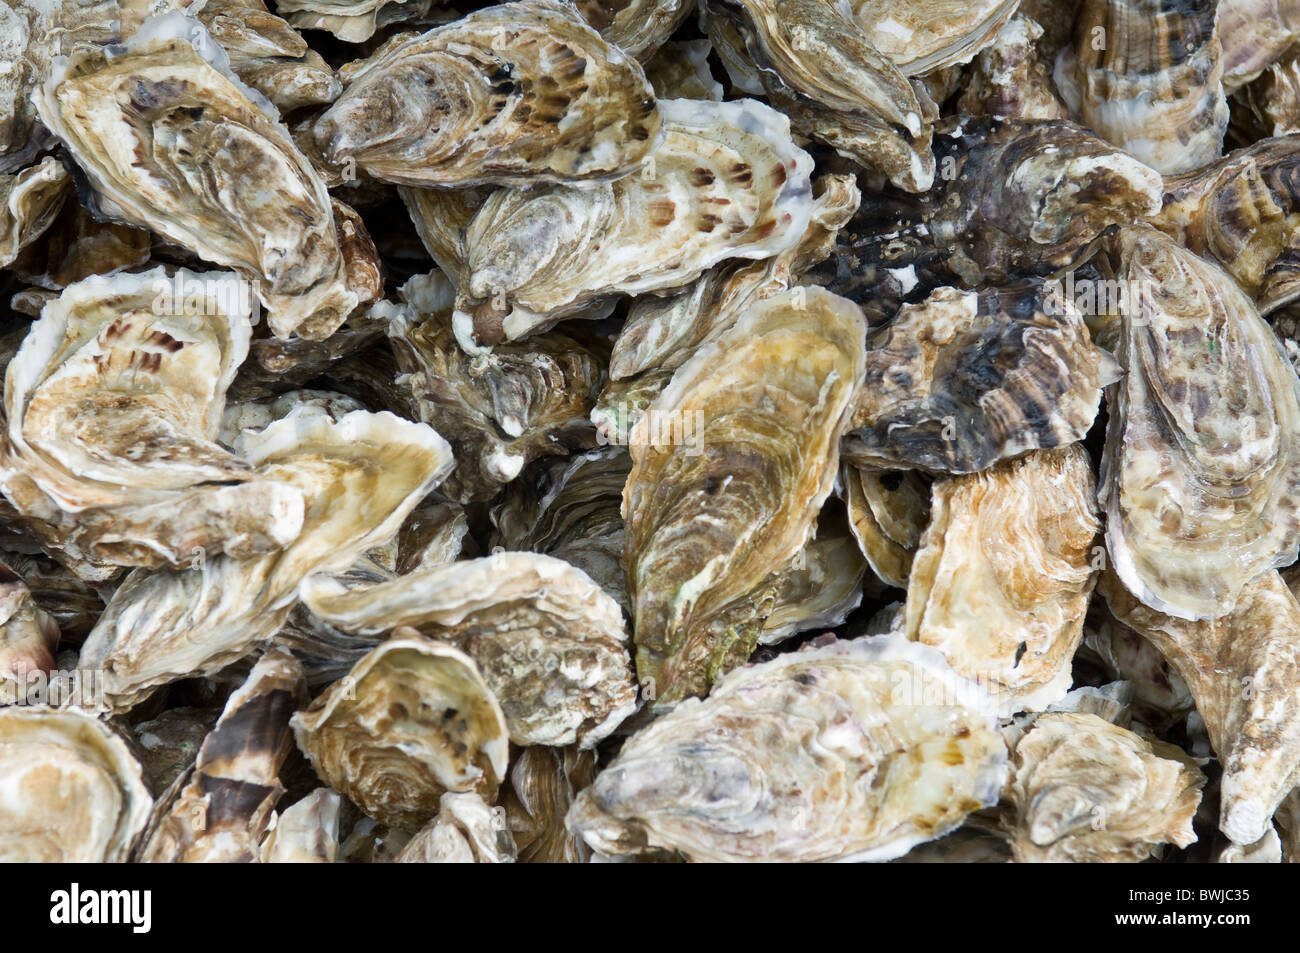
(411, 721)
(637, 27)
(1202, 463)
(680, 70)
(543, 784)
(29, 638)
(888, 510)
(711, 510)
(29, 202)
(1085, 791)
(821, 754)
(352, 21)
(515, 94)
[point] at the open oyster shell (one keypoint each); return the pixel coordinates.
(223, 812)
(170, 139)
(360, 476)
(966, 378)
(731, 465)
(550, 644)
(466, 831)
(1200, 474)
(514, 94)
(1085, 791)
(73, 790)
(1001, 581)
(1242, 670)
(819, 67)
(850, 751)
(726, 182)
(1153, 85)
(411, 721)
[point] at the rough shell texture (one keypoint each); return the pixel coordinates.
(73, 790)
(466, 831)
(822, 754)
(1010, 79)
(543, 784)
(638, 27)
(29, 637)
(514, 94)
(353, 21)
(1200, 474)
(710, 513)
(411, 721)
(930, 35)
(307, 832)
(549, 643)
(1002, 578)
(1086, 791)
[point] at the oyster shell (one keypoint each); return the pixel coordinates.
(710, 512)
(411, 721)
(1002, 578)
(306, 832)
(514, 94)
(76, 246)
(923, 37)
(1253, 34)
(1086, 791)
(223, 811)
(112, 406)
(1010, 79)
(543, 783)
(965, 379)
(29, 202)
(1242, 669)
(819, 67)
(352, 21)
(73, 790)
(169, 744)
(360, 476)
(440, 217)
(1201, 466)
(888, 511)
(550, 644)
(1153, 84)
(820, 586)
(830, 753)
(466, 831)
(638, 27)
(681, 71)
(726, 182)
(29, 638)
(219, 176)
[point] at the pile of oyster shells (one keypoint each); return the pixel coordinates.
(716, 431)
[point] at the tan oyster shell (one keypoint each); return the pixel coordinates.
(361, 476)
(680, 70)
(550, 644)
(412, 720)
(820, 68)
(726, 182)
(1202, 464)
(1086, 791)
(638, 27)
(29, 202)
(306, 832)
(352, 21)
(543, 783)
(466, 831)
(514, 94)
(112, 408)
(832, 753)
(1153, 83)
(931, 35)
(222, 813)
(711, 511)
(29, 638)
(223, 176)
(73, 790)
(888, 511)
(1002, 578)
(1254, 33)
(1242, 669)
(820, 586)
(966, 378)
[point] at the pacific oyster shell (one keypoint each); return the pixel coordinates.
(1085, 791)
(710, 512)
(306, 832)
(29, 202)
(29, 638)
(550, 644)
(1201, 470)
(726, 182)
(512, 95)
(412, 720)
(466, 831)
(543, 783)
(888, 510)
(851, 751)
(638, 27)
(352, 21)
(73, 791)
(929, 35)
(820, 586)
(1010, 79)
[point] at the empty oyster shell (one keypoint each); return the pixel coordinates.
(638, 27)
(550, 644)
(1001, 581)
(306, 832)
(353, 21)
(829, 753)
(1010, 79)
(1085, 791)
(28, 637)
(543, 784)
(222, 813)
(711, 510)
(965, 379)
(466, 831)
(923, 37)
(360, 476)
(1151, 80)
(171, 140)
(112, 408)
(514, 94)
(412, 720)
(726, 182)
(29, 202)
(1242, 669)
(1201, 468)
(73, 791)
(888, 511)
(820, 68)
